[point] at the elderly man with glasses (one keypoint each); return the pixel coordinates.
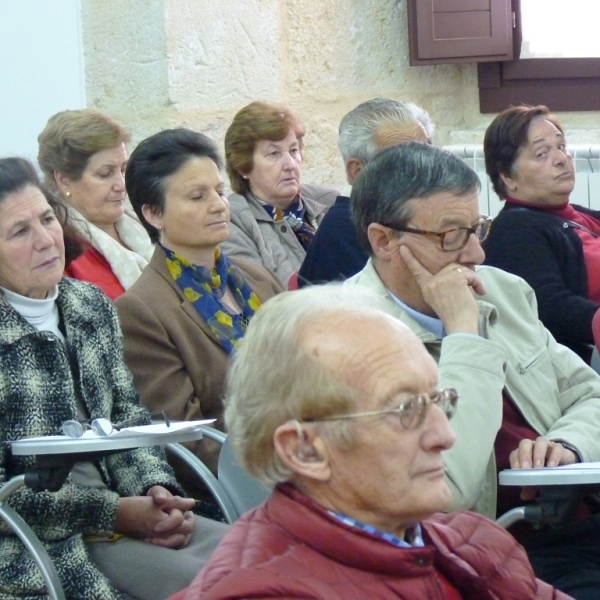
(526, 401)
(353, 437)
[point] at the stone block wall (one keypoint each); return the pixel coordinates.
(154, 64)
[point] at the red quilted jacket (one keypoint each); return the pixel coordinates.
(290, 547)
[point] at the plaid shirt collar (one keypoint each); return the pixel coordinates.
(414, 534)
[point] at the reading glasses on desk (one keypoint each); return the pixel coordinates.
(56, 455)
(103, 427)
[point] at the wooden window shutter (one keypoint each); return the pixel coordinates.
(452, 31)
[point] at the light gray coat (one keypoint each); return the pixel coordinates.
(254, 235)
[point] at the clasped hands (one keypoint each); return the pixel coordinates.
(159, 518)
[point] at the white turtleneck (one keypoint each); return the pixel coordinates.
(41, 314)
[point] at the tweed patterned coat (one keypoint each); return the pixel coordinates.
(39, 382)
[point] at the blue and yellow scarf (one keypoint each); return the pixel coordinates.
(204, 288)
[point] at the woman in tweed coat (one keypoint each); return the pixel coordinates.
(62, 359)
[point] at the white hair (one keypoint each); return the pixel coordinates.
(274, 378)
(358, 128)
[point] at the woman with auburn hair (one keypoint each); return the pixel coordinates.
(83, 156)
(273, 217)
(539, 235)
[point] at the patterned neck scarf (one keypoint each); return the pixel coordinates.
(126, 264)
(297, 218)
(205, 288)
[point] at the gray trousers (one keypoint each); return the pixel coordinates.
(146, 572)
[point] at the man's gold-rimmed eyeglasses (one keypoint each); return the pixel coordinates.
(411, 412)
(452, 239)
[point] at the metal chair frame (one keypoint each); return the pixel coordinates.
(233, 489)
(36, 549)
(29, 539)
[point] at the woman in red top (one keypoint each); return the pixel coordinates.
(539, 235)
(83, 156)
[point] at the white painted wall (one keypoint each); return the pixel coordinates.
(41, 69)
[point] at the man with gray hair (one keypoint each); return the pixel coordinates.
(352, 435)
(335, 252)
(526, 401)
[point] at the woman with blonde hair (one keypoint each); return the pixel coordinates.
(83, 156)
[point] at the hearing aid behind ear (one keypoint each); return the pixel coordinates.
(306, 452)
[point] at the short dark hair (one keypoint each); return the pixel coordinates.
(157, 158)
(505, 137)
(402, 173)
(18, 173)
(15, 175)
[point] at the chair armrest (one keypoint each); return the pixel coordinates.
(213, 434)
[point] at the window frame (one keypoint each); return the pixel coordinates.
(460, 31)
(563, 84)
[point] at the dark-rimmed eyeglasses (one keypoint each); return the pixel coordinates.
(104, 427)
(452, 239)
(411, 412)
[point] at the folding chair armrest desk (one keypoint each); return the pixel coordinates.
(55, 457)
(560, 490)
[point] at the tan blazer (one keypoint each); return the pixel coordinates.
(177, 363)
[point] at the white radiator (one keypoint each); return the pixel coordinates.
(587, 177)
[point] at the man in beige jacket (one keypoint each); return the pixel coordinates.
(526, 401)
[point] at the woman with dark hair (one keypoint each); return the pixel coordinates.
(112, 529)
(538, 234)
(83, 156)
(273, 217)
(186, 313)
